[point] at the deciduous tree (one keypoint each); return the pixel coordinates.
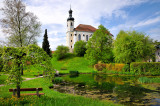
(17, 57)
(132, 46)
(21, 26)
(61, 52)
(99, 47)
(80, 48)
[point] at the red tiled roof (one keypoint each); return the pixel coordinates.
(52, 52)
(87, 28)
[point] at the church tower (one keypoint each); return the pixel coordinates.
(70, 31)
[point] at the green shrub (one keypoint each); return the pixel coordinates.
(57, 80)
(73, 73)
(80, 48)
(99, 66)
(126, 68)
(115, 66)
(61, 52)
(145, 68)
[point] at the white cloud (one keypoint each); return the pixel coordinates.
(147, 22)
(54, 13)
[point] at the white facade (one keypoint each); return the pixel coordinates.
(72, 35)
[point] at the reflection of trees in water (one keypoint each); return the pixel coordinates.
(111, 79)
(132, 93)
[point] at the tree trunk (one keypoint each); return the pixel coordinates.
(18, 91)
(21, 70)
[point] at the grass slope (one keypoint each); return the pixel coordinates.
(72, 63)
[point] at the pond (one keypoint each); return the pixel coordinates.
(127, 90)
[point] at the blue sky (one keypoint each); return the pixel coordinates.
(115, 15)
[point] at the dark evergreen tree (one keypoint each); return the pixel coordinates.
(45, 44)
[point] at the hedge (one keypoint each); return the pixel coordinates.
(115, 66)
(145, 68)
(111, 66)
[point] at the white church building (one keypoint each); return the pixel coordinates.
(81, 32)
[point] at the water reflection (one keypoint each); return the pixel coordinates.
(119, 89)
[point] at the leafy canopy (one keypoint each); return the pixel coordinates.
(99, 47)
(80, 48)
(15, 59)
(22, 27)
(61, 52)
(132, 46)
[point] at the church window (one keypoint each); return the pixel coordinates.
(71, 23)
(71, 40)
(79, 37)
(86, 37)
(71, 34)
(71, 46)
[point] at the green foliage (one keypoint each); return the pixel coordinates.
(18, 57)
(80, 48)
(73, 73)
(99, 66)
(45, 44)
(61, 52)
(1, 60)
(126, 68)
(132, 46)
(149, 80)
(145, 68)
(58, 80)
(99, 47)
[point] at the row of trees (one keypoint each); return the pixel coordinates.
(129, 46)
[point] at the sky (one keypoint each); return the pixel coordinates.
(115, 15)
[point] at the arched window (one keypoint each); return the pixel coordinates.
(71, 46)
(71, 34)
(71, 40)
(71, 23)
(86, 37)
(79, 37)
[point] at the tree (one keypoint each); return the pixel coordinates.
(18, 57)
(132, 46)
(99, 47)
(61, 52)
(80, 48)
(21, 26)
(45, 44)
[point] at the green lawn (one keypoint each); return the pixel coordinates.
(72, 63)
(51, 97)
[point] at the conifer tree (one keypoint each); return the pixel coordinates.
(45, 44)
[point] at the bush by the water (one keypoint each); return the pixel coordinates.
(73, 73)
(145, 68)
(126, 68)
(99, 66)
(57, 80)
(115, 66)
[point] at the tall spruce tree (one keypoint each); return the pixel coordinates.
(45, 44)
